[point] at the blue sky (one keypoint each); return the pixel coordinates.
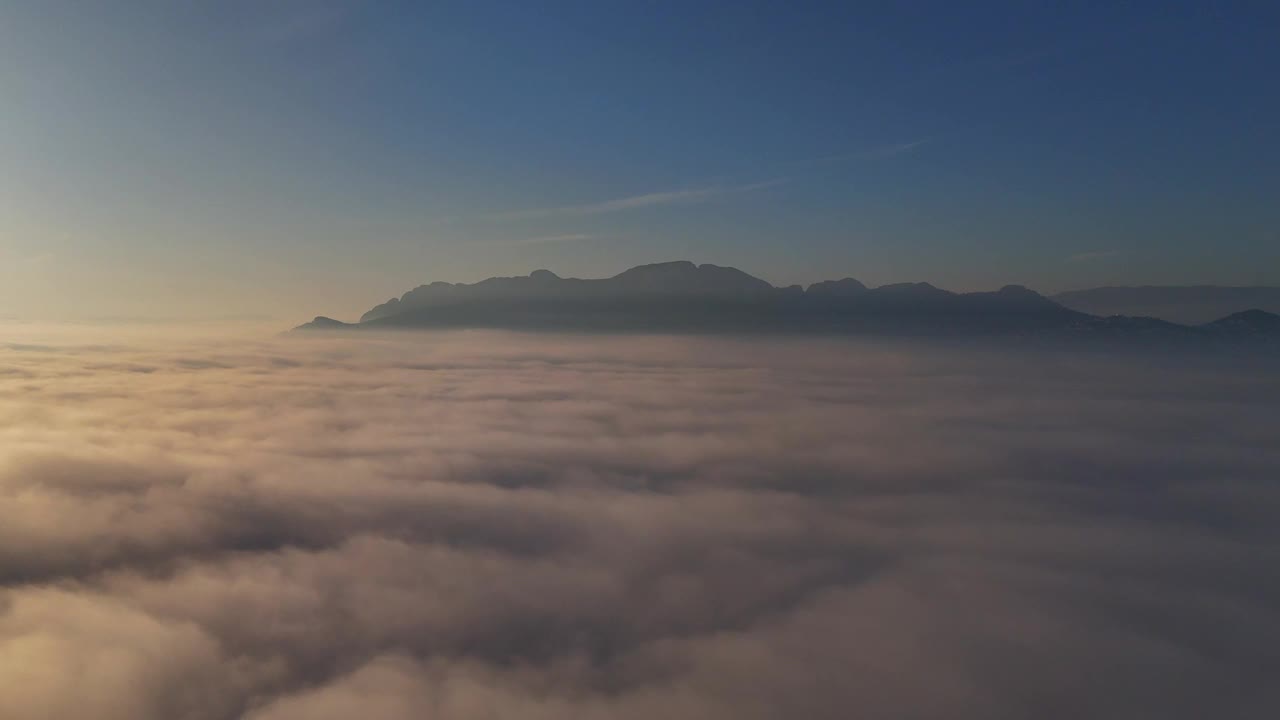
(293, 157)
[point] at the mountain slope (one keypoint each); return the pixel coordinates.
(1247, 324)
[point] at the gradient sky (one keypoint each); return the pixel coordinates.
(293, 157)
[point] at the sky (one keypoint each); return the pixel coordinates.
(288, 158)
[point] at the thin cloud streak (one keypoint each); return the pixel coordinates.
(553, 239)
(882, 151)
(1093, 255)
(690, 196)
(900, 148)
(697, 195)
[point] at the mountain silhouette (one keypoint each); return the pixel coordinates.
(1188, 304)
(683, 297)
(837, 288)
(1248, 323)
(670, 280)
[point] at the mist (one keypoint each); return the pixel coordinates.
(497, 525)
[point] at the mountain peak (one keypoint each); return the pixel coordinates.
(323, 323)
(673, 267)
(838, 288)
(684, 277)
(1247, 321)
(1018, 291)
(1254, 315)
(919, 289)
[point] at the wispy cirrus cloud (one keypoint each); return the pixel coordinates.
(684, 196)
(897, 148)
(697, 194)
(879, 151)
(553, 239)
(1093, 255)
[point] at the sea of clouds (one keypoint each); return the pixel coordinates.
(483, 525)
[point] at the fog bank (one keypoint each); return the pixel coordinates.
(487, 525)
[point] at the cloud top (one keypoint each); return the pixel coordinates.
(483, 525)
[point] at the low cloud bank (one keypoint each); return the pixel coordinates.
(483, 525)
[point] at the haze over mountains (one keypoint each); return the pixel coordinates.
(684, 297)
(1189, 304)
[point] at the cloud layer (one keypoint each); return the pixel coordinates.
(477, 525)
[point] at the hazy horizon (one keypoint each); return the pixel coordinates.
(282, 316)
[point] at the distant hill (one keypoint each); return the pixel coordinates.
(684, 297)
(1248, 323)
(1188, 304)
(324, 323)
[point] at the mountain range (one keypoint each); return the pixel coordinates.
(1187, 304)
(683, 297)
